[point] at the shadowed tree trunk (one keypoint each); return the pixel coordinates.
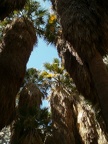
(89, 127)
(100, 76)
(84, 82)
(15, 48)
(24, 130)
(77, 70)
(7, 6)
(64, 119)
(84, 25)
(74, 120)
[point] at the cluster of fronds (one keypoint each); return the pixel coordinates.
(45, 24)
(32, 123)
(27, 113)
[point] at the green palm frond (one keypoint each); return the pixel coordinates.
(45, 24)
(48, 66)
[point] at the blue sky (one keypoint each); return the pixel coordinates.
(42, 52)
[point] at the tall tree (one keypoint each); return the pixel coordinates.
(63, 116)
(79, 73)
(73, 117)
(84, 26)
(16, 48)
(17, 42)
(32, 123)
(25, 127)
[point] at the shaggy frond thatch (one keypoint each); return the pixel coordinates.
(7, 6)
(74, 121)
(77, 69)
(90, 128)
(84, 83)
(26, 124)
(30, 96)
(31, 137)
(16, 47)
(84, 25)
(64, 118)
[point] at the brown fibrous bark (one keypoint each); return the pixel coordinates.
(17, 44)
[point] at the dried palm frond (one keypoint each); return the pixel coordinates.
(7, 6)
(84, 25)
(29, 137)
(63, 106)
(25, 127)
(16, 48)
(90, 128)
(30, 96)
(74, 120)
(77, 69)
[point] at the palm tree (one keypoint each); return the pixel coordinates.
(45, 23)
(77, 70)
(25, 126)
(32, 122)
(16, 47)
(84, 26)
(73, 117)
(62, 115)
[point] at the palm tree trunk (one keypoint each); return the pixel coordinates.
(100, 78)
(29, 101)
(78, 72)
(64, 119)
(85, 85)
(16, 48)
(85, 26)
